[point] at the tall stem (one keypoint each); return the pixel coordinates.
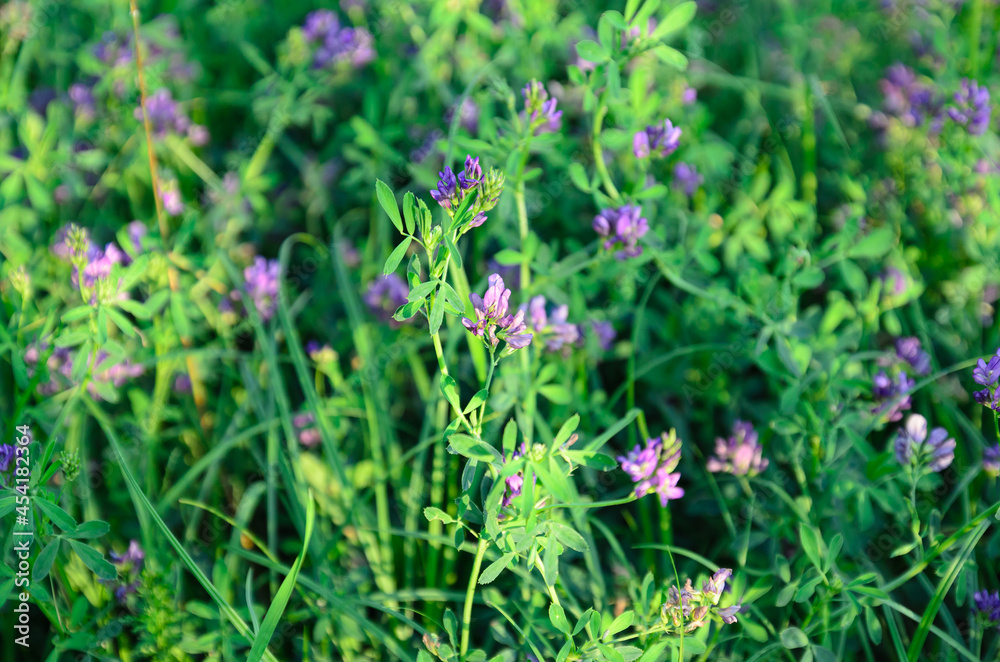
(470, 593)
(602, 169)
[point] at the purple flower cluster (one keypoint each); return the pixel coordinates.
(493, 316)
(662, 139)
(129, 563)
(740, 454)
(914, 447)
(622, 228)
(987, 373)
(988, 605)
(687, 609)
(514, 483)
(6, 457)
(261, 283)
(972, 107)
(686, 178)
(166, 117)
(451, 188)
(73, 245)
(652, 467)
(911, 351)
(552, 328)
(605, 332)
(991, 460)
(539, 109)
(306, 430)
(337, 44)
(891, 397)
(904, 98)
(384, 295)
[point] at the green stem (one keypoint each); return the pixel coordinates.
(975, 29)
(470, 593)
(602, 169)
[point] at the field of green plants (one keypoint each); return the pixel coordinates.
(499, 330)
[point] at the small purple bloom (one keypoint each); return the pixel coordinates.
(991, 460)
(261, 284)
(728, 614)
(740, 454)
(972, 107)
(622, 229)
(540, 109)
(6, 456)
(182, 383)
(554, 328)
(640, 463)
(445, 191)
(987, 374)
(892, 398)
(689, 96)
(988, 604)
(385, 295)
(909, 350)
(605, 332)
(915, 447)
(663, 138)
(686, 178)
(665, 486)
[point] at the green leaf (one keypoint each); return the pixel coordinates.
(677, 19)
(478, 399)
(556, 393)
(875, 245)
(592, 459)
(453, 251)
(92, 529)
(494, 569)
(437, 314)
(396, 256)
(56, 515)
(811, 545)
(43, 562)
(77, 313)
(578, 175)
(121, 322)
(622, 622)
(509, 256)
(794, 638)
(567, 430)
(432, 513)
(557, 616)
(509, 437)
(591, 51)
(137, 309)
(671, 56)
(450, 391)
(409, 211)
(178, 316)
(280, 600)
(874, 626)
(473, 449)
(94, 560)
(569, 537)
(388, 202)
(421, 291)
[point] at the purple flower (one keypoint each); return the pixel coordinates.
(663, 138)
(652, 467)
(916, 448)
(554, 328)
(909, 350)
(605, 332)
(471, 175)
(689, 96)
(170, 196)
(164, 115)
(182, 383)
(905, 98)
(665, 486)
(540, 109)
(134, 555)
(988, 399)
(987, 374)
(991, 460)
(336, 44)
(622, 229)
(82, 97)
(640, 463)
(261, 284)
(136, 233)
(988, 604)
(452, 189)
(305, 430)
(513, 484)
(894, 282)
(892, 398)
(972, 107)
(385, 295)
(740, 454)
(6, 456)
(686, 178)
(728, 614)
(492, 315)
(714, 587)
(444, 194)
